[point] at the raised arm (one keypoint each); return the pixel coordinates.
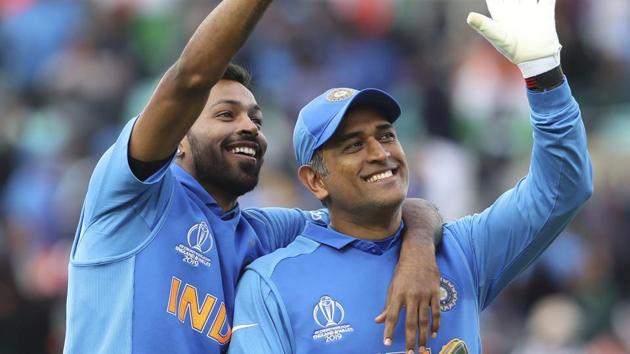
(508, 236)
(416, 282)
(184, 89)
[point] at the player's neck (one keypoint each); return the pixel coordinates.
(366, 225)
(225, 200)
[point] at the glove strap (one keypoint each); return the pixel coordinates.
(546, 81)
(540, 65)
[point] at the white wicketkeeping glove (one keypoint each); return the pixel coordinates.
(524, 31)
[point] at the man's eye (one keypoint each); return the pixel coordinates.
(388, 137)
(354, 146)
(225, 114)
(257, 121)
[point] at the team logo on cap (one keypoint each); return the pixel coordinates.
(340, 94)
(448, 295)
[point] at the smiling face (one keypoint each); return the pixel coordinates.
(225, 146)
(366, 164)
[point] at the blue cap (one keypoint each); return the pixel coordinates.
(319, 119)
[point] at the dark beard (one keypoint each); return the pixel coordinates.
(211, 168)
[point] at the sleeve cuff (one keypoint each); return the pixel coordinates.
(552, 101)
(124, 139)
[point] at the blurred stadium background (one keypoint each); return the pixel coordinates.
(73, 71)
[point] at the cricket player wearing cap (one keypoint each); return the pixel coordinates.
(314, 296)
(160, 245)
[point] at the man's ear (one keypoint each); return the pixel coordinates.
(184, 156)
(180, 149)
(313, 182)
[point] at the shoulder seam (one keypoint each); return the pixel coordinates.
(134, 251)
(266, 267)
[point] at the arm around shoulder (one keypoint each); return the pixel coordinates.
(283, 225)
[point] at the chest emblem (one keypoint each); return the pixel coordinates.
(200, 238)
(329, 315)
(448, 295)
(199, 242)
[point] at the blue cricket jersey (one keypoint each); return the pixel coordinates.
(321, 293)
(154, 263)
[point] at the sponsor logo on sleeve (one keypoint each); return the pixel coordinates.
(199, 242)
(329, 314)
(316, 215)
(243, 326)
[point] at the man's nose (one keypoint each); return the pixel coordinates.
(247, 126)
(376, 151)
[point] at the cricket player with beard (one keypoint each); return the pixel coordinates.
(160, 246)
(315, 295)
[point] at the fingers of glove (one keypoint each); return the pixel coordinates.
(495, 7)
(411, 328)
(488, 28)
(548, 3)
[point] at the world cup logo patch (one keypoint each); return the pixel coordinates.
(199, 237)
(329, 314)
(200, 241)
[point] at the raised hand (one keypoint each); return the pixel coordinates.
(524, 31)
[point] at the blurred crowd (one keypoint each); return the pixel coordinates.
(72, 72)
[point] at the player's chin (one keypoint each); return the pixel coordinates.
(243, 183)
(249, 174)
(393, 189)
(389, 199)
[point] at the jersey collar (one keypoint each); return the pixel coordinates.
(190, 183)
(327, 236)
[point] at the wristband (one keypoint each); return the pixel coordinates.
(546, 81)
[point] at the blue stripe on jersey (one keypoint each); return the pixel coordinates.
(91, 288)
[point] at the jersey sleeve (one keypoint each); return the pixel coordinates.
(282, 225)
(505, 238)
(261, 324)
(120, 211)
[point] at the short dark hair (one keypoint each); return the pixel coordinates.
(318, 165)
(235, 72)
